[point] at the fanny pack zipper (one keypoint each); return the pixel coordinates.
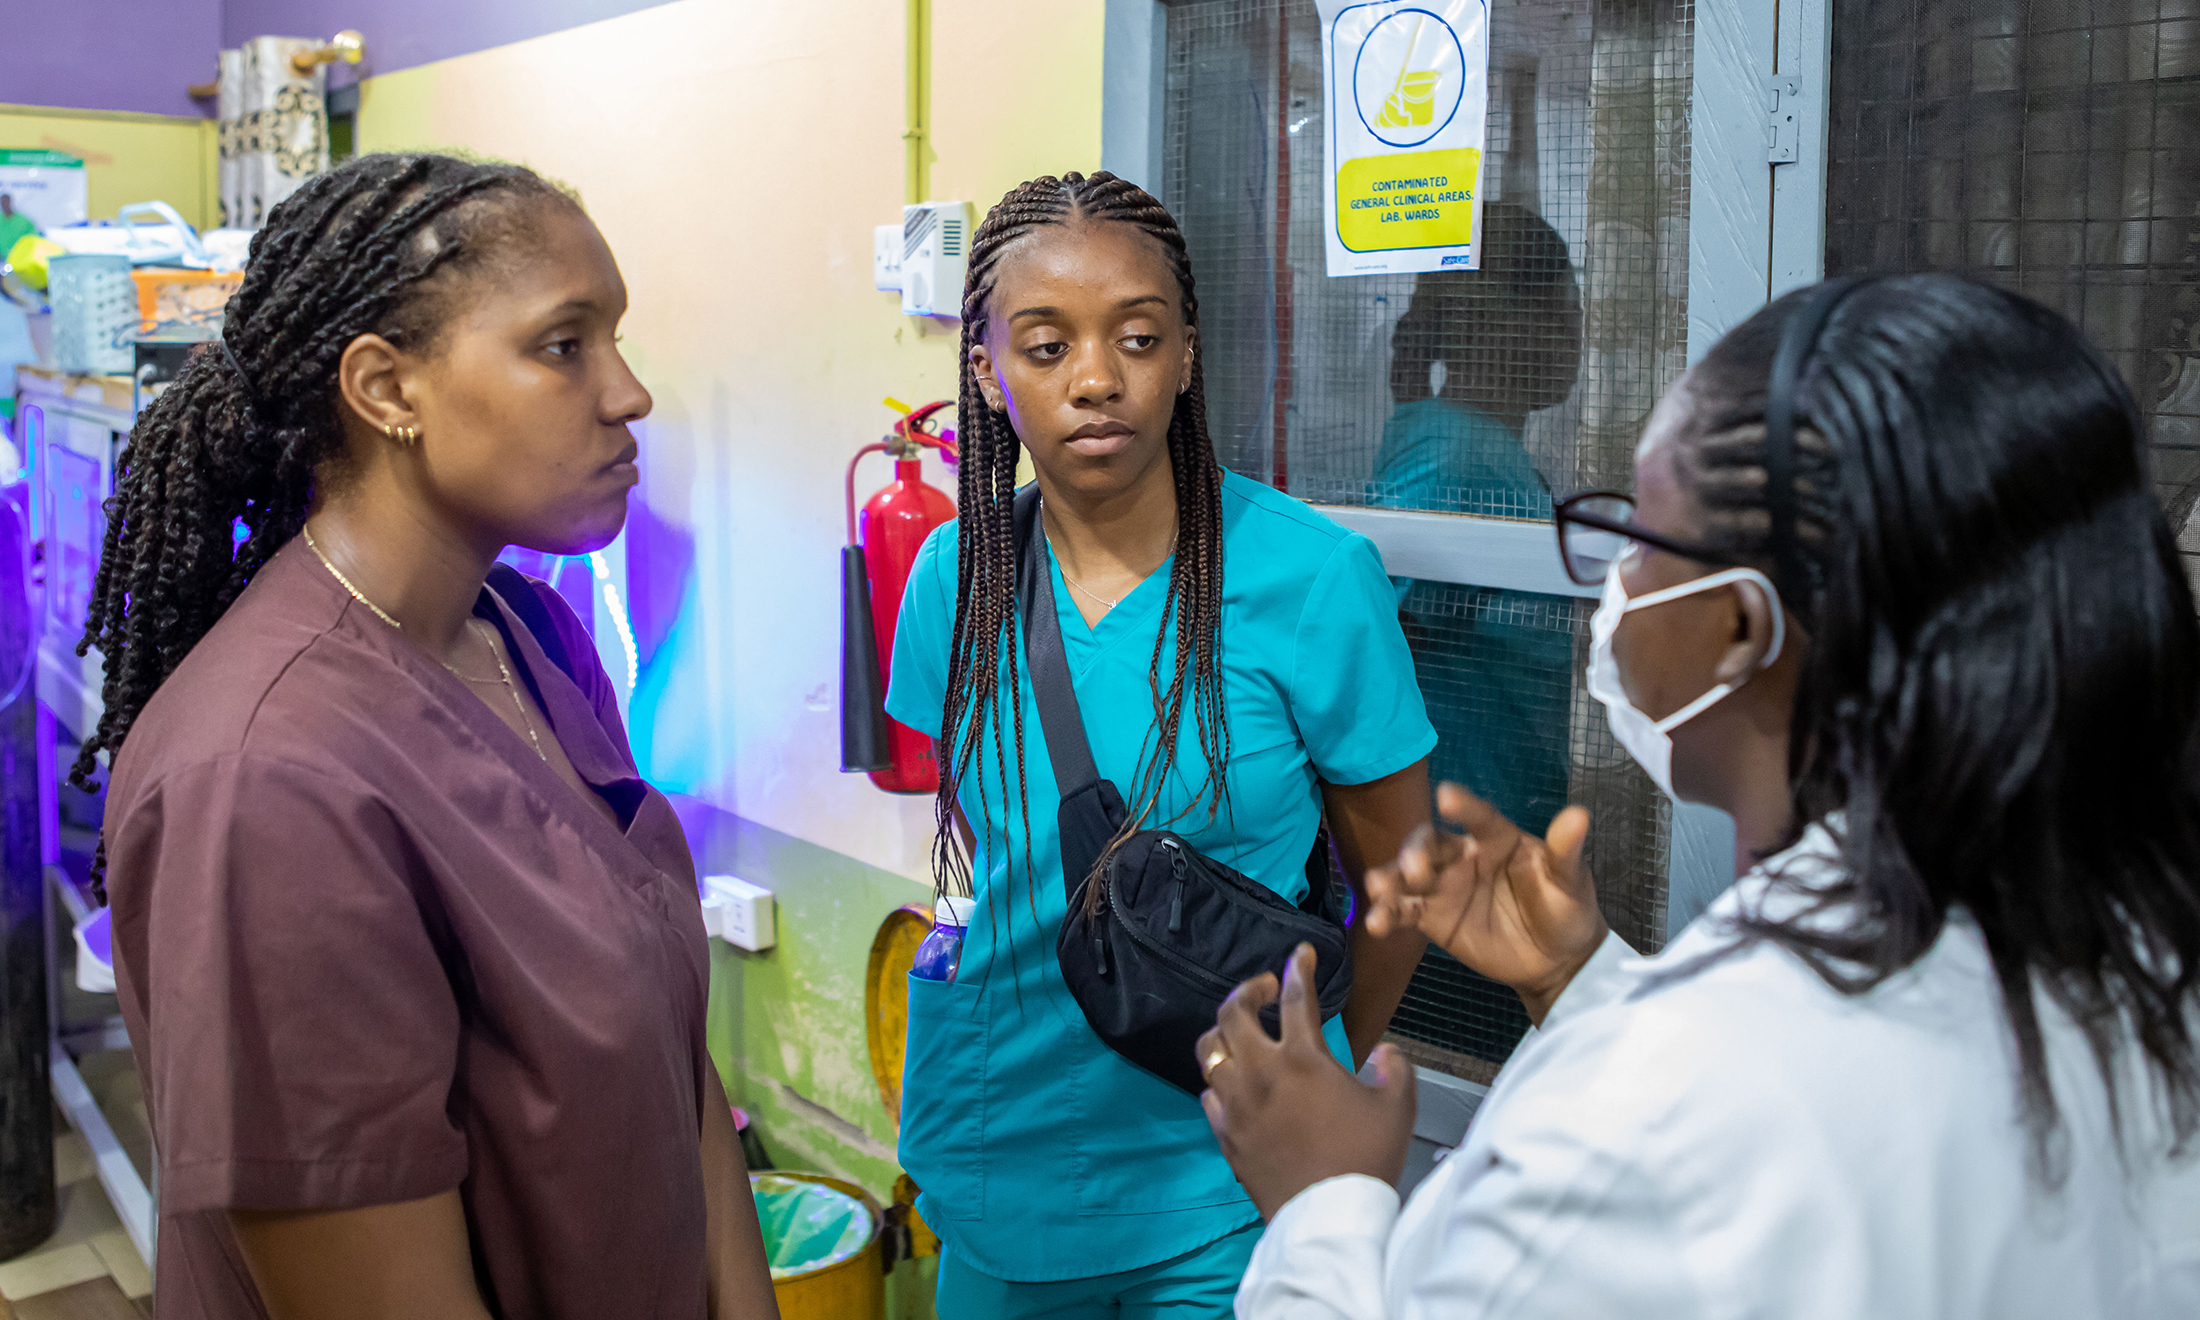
(1283, 912)
(1161, 952)
(1176, 873)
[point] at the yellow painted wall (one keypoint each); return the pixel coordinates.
(1015, 94)
(127, 157)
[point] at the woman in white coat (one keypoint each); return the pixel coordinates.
(1895, 593)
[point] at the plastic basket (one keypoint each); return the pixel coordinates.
(189, 301)
(95, 313)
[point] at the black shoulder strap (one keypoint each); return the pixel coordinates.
(513, 588)
(1050, 682)
(1092, 810)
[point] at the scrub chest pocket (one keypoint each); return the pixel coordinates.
(942, 1140)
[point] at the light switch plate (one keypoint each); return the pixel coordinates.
(886, 258)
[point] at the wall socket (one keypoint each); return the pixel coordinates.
(739, 913)
(886, 243)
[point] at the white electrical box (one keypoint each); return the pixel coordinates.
(935, 254)
(739, 913)
(886, 258)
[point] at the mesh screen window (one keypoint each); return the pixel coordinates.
(2050, 146)
(1461, 392)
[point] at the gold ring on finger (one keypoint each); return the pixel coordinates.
(1213, 1059)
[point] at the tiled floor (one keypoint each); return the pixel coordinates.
(98, 1299)
(88, 1269)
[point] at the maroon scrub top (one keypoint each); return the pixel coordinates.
(370, 948)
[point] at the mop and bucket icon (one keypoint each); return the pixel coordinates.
(1412, 99)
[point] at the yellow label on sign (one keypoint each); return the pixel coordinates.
(1415, 200)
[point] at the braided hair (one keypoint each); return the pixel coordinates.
(221, 467)
(984, 654)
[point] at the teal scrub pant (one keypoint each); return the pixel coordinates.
(1198, 1285)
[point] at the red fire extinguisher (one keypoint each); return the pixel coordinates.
(883, 540)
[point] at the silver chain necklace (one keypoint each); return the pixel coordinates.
(1111, 604)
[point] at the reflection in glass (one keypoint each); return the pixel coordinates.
(1474, 354)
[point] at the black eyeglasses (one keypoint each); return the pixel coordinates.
(1595, 526)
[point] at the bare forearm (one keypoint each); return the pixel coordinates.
(740, 1277)
(1370, 823)
(1382, 967)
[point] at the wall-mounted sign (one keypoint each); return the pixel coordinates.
(1405, 85)
(47, 186)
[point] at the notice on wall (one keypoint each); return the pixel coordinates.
(47, 186)
(1405, 88)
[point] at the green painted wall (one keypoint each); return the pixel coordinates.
(786, 1026)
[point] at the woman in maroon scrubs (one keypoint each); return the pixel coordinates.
(410, 956)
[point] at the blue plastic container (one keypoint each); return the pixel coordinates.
(941, 952)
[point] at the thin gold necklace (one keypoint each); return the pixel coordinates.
(1111, 604)
(474, 626)
(505, 673)
(345, 582)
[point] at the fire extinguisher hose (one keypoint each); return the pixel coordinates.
(864, 741)
(875, 447)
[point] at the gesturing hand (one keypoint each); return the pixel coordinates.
(1518, 909)
(1287, 1113)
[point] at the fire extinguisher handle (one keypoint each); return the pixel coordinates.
(911, 428)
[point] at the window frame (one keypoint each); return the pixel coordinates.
(1756, 230)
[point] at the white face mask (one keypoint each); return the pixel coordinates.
(1644, 738)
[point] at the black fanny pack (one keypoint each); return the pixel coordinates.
(1175, 931)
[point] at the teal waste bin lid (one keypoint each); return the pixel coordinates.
(807, 1226)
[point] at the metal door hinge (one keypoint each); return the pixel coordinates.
(1783, 118)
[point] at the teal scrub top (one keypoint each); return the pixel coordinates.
(1042, 1154)
(1444, 456)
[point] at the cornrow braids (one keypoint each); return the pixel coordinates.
(241, 436)
(1727, 472)
(984, 656)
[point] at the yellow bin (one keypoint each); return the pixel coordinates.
(852, 1288)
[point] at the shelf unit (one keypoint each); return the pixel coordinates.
(71, 428)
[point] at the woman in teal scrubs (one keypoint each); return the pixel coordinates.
(1209, 620)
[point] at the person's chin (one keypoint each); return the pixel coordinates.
(590, 533)
(606, 527)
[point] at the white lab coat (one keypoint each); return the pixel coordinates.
(1735, 1138)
